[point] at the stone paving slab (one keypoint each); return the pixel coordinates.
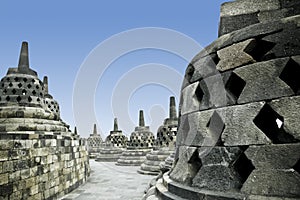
(111, 182)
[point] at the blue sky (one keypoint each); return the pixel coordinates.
(62, 34)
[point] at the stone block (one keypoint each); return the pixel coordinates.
(3, 155)
(239, 126)
(236, 55)
(211, 92)
(272, 182)
(287, 42)
(187, 166)
(248, 6)
(229, 24)
(190, 100)
(262, 81)
(225, 156)
(217, 178)
(4, 179)
(279, 156)
(204, 67)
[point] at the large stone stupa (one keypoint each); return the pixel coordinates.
(40, 158)
(113, 146)
(141, 142)
(239, 131)
(165, 143)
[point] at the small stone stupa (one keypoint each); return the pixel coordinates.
(94, 143)
(141, 142)
(113, 146)
(165, 143)
(40, 158)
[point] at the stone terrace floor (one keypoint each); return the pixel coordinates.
(110, 182)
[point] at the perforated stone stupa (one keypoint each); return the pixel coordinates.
(94, 143)
(113, 146)
(239, 131)
(165, 143)
(39, 156)
(141, 142)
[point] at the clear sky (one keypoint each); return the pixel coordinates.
(63, 34)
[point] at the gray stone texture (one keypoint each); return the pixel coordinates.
(273, 182)
(236, 55)
(282, 156)
(262, 81)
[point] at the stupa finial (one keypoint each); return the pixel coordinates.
(24, 60)
(115, 124)
(172, 108)
(141, 118)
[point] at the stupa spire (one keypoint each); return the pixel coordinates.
(172, 108)
(95, 130)
(23, 59)
(115, 124)
(45, 81)
(141, 118)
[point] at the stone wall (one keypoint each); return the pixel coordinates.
(34, 166)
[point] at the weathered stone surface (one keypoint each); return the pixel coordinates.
(273, 183)
(221, 156)
(262, 81)
(193, 130)
(187, 166)
(280, 156)
(212, 92)
(190, 100)
(289, 109)
(229, 24)
(287, 42)
(204, 67)
(217, 177)
(248, 6)
(239, 126)
(236, 55)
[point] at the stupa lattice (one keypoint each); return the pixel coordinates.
(239, 130)
(94, 143)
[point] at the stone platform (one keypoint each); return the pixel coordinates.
(133, 157)
(109, 154)
(111, 182)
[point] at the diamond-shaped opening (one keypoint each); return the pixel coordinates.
(38, 100)
(194, 164)
(19, 98)
(16, 79)
(24, 92)
(4, 91)
(2, 85)
(8, 79)
(7, 98)
(10, 84)
(32, 80)
(34, 92)
(29, 99)
(290, 75)
(234, 87)
(14, 91)
(29, 86)
(215, 127)
(20, 85)
(243, 166)
(189, 72)
(37, 87)
(259, 51)
(25, 79)
(199, 93)
(271, 124)
(296, 167)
